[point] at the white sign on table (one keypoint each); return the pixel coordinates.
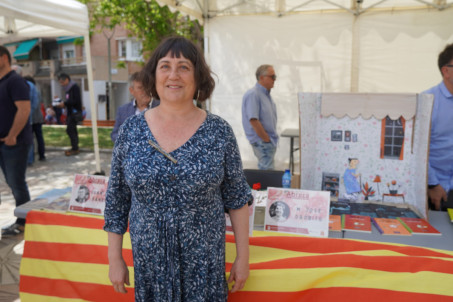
(88, 194)
(297, 211)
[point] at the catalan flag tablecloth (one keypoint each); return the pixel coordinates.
(65, 259)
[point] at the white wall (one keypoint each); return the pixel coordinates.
(397, 52)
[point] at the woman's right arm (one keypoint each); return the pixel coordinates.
(117, 207)
(118, 271)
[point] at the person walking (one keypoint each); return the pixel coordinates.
(73, 104)
(15, 134)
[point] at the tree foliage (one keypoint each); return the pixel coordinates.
(145, 19)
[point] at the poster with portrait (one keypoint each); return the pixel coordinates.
(229, 227)
(88, 194)
(297, 211)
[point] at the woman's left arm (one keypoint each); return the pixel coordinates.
(240, 269)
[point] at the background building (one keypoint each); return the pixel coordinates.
(45, 58)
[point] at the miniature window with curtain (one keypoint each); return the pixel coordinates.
(392, 138)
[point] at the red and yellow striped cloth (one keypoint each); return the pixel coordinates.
(65, 259)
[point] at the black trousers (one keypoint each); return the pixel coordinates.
(71, 130)
(37, 130)
(444, 204)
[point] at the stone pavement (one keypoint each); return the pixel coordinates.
(57, 172)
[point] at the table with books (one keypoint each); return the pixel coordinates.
(65, 258)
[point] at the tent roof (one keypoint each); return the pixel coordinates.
(212, 8)
(21, 19)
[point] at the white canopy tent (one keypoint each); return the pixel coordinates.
(386, 46)
(22, 19)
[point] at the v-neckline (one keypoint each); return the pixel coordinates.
(154, 140)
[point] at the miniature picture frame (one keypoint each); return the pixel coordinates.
(336, 135)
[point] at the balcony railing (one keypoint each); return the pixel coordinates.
(73, 61)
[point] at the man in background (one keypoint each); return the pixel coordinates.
(139, 103)
(37, 120)
(259, 117)
(73, 104)
(34, 103)
(15, 134)
(440, 168)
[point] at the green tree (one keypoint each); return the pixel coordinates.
(145, 19)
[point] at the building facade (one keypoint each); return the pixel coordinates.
(45, 58)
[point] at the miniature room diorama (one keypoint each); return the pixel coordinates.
(366, 147)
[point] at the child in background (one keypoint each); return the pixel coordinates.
(50, 116)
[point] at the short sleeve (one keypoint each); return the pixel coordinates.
(118, 196)
(20, 90)
(235, 189)
(251, 106)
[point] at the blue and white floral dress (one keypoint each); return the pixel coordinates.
(176, 209)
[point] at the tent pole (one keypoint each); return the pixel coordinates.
(355, 53)
(94, 120)
(206, 44)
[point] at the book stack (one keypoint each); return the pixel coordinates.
(403, 226)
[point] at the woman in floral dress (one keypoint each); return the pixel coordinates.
(175, 169)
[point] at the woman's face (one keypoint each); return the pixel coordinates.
(279, 210)
(175, 80)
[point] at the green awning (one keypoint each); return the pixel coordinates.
(68, 39)
(23, 50)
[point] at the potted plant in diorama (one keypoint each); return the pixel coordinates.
(393, 187)
(367, 191)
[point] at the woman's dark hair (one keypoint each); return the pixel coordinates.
(178, 46)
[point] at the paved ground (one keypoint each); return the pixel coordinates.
(57, 172)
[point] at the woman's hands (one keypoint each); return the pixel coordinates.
(240, 269)
(118, 271)
(239, 274)
(119, 275)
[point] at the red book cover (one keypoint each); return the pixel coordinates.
(335, 223)
(388, 226)
(356, 223)
(419, 226)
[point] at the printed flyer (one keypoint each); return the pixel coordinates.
(297, 211)
(88, 194)
(259, 198)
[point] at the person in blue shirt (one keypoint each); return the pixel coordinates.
(140, 102)
(259, 117)
(440, 168)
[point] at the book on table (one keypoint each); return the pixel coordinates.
(335, 223)
(357, 223)
(390, 226)
(419, 226)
